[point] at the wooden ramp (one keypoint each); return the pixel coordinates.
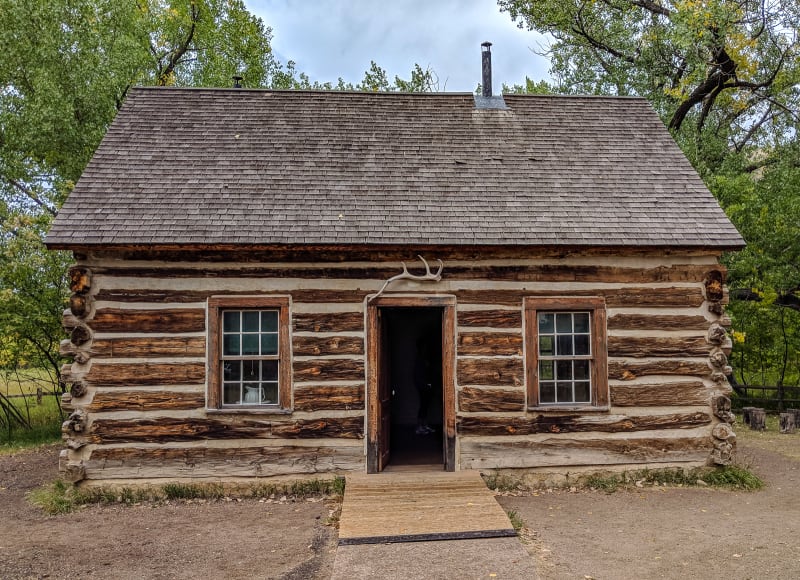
(418, 507)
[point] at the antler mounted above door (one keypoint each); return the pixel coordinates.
(428, 276)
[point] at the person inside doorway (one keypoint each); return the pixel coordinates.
(423, 381)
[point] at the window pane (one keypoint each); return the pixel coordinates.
(250, 321)
(564, 392)
(250, 344)
(269, 370)
(546, 346)
(564, 346)
(269, 393)
(269, 321)
(269, 344)
(582, 344)
(230, 345)
(546, 322)
(581, 322)
(564, 370)
(563, 322)
(582, 392)
(250, 370)
(252, 393)
(230, 321)
(546, 370)
(231, 394)
(547, 392)
(232, 370)
(581, 370)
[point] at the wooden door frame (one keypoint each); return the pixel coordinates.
(448, 305)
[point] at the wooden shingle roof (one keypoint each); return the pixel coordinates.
(238, 166)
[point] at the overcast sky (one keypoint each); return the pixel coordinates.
(329, 39)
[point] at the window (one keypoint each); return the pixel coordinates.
(249, 353)
(566, 352)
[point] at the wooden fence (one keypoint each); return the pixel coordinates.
(769, 398)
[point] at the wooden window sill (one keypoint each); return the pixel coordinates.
(249, 411)
(570, 409)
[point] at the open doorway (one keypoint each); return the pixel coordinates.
(414, 358)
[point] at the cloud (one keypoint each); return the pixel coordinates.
(338, 38)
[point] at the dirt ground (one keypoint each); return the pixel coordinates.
(646, 533)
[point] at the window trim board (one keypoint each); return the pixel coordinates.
(599, 345)
(214, 380)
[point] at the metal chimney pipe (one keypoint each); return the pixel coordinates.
(237, 81)
(486, 61)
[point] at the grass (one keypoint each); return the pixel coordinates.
(516, 520)
(732, 477)
(60, 497)
(45, 425)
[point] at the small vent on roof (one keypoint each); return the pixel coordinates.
(237, 81)
(486, 100)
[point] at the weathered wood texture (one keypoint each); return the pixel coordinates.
(156, 346)
(120, 400)
(490, 372)
(329, 322)
(245, 461)
(167, 320)
(686, 393)
(652, 346)
(329, 370)
(560, 452)
(540, 423)
(671, 297)
(657, 322)
(327, 345)
(490, 343)
(491, 318)
(325, 397)
(471, 399)
(129, 374)
(505, 273)
(627, 371)
(170, 429)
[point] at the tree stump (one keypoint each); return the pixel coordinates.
(796, 413)
(787, 423)
(758, 419)
(746, 411)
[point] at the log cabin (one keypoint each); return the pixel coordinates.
(269, 283)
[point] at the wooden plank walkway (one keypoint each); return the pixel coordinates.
(416, 507)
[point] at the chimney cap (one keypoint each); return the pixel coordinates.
(487, 45)
(237, 81)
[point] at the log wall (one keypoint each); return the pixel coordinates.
(137, 335)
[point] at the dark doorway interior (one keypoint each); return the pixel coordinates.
(415, 360)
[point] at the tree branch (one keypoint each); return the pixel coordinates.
(32, 195)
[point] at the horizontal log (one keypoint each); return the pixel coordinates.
(169, 429)
(541, 423)
(489, 343)
(504, 273)
(491, 318)
(80, 279)
(629, 370)
(651, 346)
(329, 370)
(329, 322)
(557, 452)
(130, 374)
(146, 401)
(177, 346)
(167, 320)
(167, 462)
(327, 345)
(498, 400)
(686, 393)
(657, 322)
(327, 398)
(673, 297)
(498, 372)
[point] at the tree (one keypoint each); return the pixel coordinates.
(730, 64)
